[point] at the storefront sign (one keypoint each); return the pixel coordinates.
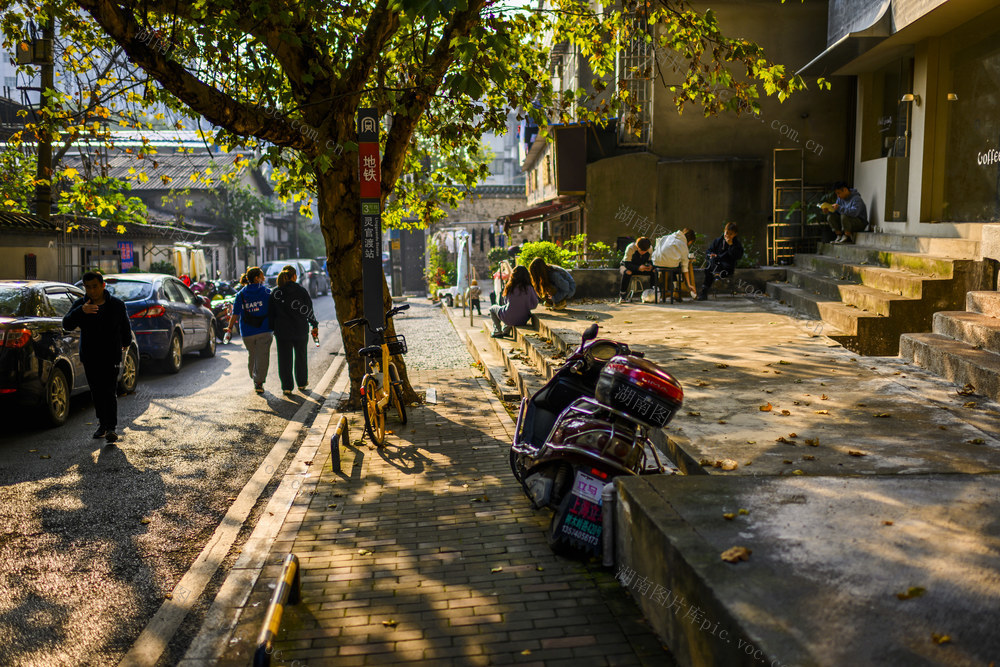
(125, 255)
(988, 158)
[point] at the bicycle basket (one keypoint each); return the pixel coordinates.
(397, 344)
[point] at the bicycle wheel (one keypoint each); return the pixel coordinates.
(396, 393)
(374, 415)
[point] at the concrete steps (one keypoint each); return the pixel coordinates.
(884, 286)
(964, 346)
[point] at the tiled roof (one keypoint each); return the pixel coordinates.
(165, 171)
(25, 222)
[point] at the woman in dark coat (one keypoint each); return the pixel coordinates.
(291, 312)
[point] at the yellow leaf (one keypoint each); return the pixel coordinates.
(766, 408)
(71, 173)
(822, 412)
(736, 554)
(728, 516)
(940, 639)
(912, 592)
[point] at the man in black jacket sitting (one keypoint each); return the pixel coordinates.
(104, 334)
(723, 254)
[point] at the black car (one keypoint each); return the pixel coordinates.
(39, 360)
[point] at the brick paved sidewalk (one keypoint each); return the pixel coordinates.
(427, 551)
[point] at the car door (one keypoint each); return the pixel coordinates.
(201, 322)
(67, 343)
(181, 312)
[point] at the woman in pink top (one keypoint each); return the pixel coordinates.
(521, 299)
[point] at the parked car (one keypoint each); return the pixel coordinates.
(39, 360)
(169, 320)
(310, 276)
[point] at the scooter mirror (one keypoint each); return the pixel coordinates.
(590, 333)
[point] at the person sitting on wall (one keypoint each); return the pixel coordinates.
(848, 215)
(723, 254)
(673, 252)
(552, 283)
(520, 301)
(636, 261)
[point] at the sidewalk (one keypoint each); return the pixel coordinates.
(427, 551)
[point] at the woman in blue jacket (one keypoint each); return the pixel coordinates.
(552, 283)
(250, 308)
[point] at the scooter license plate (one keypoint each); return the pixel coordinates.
(588, 487)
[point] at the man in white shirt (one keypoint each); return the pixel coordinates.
(672, 252)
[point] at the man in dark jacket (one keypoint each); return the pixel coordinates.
(291, 313)
(104, 334)
(723, 254)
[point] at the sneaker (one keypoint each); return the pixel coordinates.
(286, 392)
(100, 433)
(839, 239)
(848, 239)
(303, 388)
(259, 388)
(111, 437)
(623, 298)
(497, 334)
(703, 296)
(560, 305)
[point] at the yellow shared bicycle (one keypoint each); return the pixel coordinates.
(378, 389)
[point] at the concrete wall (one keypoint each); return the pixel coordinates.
(620, 191)
(17, 246)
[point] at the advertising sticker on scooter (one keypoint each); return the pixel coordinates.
(582, 523)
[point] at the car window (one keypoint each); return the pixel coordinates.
(10, 301)
(60, 302)
(172, 290)
(129, 290)
(189, 296)
(272, 268)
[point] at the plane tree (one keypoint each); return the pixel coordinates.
(286, 79)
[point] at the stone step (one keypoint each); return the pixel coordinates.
(926, 265)
(987, 303)
(858, 331)
(862, 297)
(493, 366)
(895, 281)
(524, 376)
(955, 360)
(978, 330)
(953, 247)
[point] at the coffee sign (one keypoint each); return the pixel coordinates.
(988, 157)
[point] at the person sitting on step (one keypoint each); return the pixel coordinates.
(723, 254)
(636, 262)
(520, 300)
(552, 283)
(848, 215)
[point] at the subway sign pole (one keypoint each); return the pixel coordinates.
(369, 163)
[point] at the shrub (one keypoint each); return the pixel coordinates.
(162, 267)
(550, 252)
(495, 256)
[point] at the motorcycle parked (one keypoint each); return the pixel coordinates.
(589, 424)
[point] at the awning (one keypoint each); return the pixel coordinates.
(542, 213)
(852, 45)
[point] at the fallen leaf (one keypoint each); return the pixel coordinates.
(498, 568)
(704, 462)
(728, 516)
(364, 552)
(169, 596)
(331, 506)
(45, 456)
(628, 321)
(784, 441)
(526, 651)
(912, 592)
(785, 413)
(887, 523)
(808, 457)
(798, 472)
(723, 421)
(824, 397)
(701, 383)
(766, 408)
(694, 414)
(389, 624)
(970, 404)
(977, 441)
(796, 403)
(943, 428)
(736, 554)
(862, 405)
(32, 451)
(743, 511)
(751, 442)
(854, 452)
(785, 363)
(941, 639)
(881, 415)
(822, 412)
(727, 464)
(812, 442)
(144, 521)
(967, 390)
(748, 463)
(722, 365)
(793, 435)
(787, 462)
(539, 568)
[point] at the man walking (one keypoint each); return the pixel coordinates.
(104, 334)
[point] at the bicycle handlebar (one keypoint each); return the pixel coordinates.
(388, 314)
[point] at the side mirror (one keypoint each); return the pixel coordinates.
(590, 333)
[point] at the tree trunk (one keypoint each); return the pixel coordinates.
(340, 218)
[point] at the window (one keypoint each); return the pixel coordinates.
(60, 302)
(886, 120)
(970, 106)
(634, 76)
(172, 289)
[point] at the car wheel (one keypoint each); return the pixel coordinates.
(130, 372)
(175, 355)
(56, 401)
(209, 350)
